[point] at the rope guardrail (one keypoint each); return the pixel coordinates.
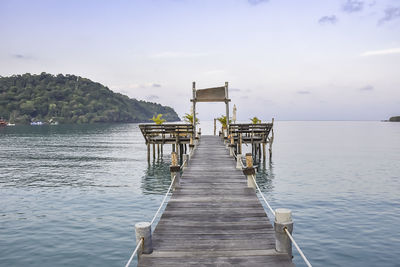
(134, 252)
(141, 242)
(298, 248)
(273, 212)
(162, 203)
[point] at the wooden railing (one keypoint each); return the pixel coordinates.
(166, 133)
(257, 132)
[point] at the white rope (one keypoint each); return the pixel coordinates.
(262, 195)
(134, 252)
(298, 248)
(165, 197)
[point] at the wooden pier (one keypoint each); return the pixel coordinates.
(213, 218)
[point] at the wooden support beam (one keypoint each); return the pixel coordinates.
(148, 152)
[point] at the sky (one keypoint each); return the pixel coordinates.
(287, 59)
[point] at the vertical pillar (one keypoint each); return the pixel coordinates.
(154, 151)
(175, 169)
(215, 126)
(240, 143)
(238, 161)
(143, 232)
(148, 152)
(271, 140)
(227, 106)
(231, 146)
(158, 150)
(194, 106)
(263, 148)
(249, 171)
(283, 220)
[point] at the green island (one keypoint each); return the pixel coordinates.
(71, 99)
(395, 118)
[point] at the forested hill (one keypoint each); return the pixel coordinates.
(71, 99)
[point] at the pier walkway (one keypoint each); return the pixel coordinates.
(213, 218)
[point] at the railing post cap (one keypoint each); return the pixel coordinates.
(142, 225)
(283, 215)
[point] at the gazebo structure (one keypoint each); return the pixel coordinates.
(215, 94)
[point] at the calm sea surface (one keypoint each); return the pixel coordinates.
(70, 194)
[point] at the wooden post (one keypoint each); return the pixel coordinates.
(240, 143)
(215, 126)
(173, 147)
(271, 140)
(158, 150)
(259, 152)
(263, 148)
(194, 105)
(143, 231)
(283, 220)
(249, 171)
(154, 150)
(175, 169)
(227, 106)
(148, 152)
(162, 150)
(231, 146)
(238, 161)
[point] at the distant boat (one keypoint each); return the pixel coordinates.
(37, 123)
(10, 124)
(3, 123)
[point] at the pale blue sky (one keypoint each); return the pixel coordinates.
(292, 60)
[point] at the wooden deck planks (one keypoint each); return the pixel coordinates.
(213, 219)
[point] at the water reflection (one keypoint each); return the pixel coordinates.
(157, 177)
(265, 176)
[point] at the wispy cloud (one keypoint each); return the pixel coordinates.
(234, 90)
(20, 56)
(391, 13)
(328, 20)
(353, 6)
(367, 88)
(256, 2)
(381, 52)
(303, 92)
(156, 85)
(171, 54)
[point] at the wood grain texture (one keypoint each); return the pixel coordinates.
(213, 218)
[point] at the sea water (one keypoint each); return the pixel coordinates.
(71, 194)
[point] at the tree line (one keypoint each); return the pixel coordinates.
(71, 99)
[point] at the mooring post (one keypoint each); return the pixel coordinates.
(231, 147)
(239, 161)
(158, 150)
(154, 150)
(283, 220)
(175, 169)
(249, 171)
(143, 233)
